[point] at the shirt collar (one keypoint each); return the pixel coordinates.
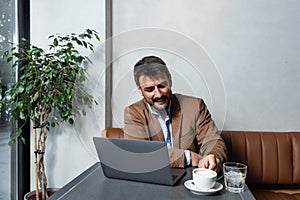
(153, 111)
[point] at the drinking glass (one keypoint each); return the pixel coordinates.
(234, 176)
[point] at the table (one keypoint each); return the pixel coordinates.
(93, 185)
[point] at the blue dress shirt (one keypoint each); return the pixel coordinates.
(166, 126)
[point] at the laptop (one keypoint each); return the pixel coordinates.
(136, 160)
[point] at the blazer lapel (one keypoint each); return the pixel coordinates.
(176, 121)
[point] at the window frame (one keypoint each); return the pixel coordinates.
(22, 151)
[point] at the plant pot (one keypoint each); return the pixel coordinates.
(31, 195)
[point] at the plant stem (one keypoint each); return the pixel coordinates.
(35, 162)
(42, 149)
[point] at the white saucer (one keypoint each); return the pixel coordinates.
(189, 184)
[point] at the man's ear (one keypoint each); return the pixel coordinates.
(139, 90)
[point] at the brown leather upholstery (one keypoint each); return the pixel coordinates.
(270, 195)
(113, 133)
(273, 160)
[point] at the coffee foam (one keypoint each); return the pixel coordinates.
(205, 173)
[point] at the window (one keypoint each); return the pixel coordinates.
(7, 160)
(14, 161)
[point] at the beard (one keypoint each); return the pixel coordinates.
(160, 103)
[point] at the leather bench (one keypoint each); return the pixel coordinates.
(273, 160)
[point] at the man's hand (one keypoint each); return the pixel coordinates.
(210, 161)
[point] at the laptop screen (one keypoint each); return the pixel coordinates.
(138, 160)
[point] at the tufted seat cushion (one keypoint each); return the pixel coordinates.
(271, 195)
(273, 160)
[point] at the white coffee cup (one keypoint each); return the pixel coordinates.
(204, 178)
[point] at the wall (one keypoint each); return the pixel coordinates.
(69, 150)
(253, 47)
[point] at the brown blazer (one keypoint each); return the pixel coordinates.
(192, 128)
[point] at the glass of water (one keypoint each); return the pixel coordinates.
(234, 176)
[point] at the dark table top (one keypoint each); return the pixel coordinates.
(93, 185)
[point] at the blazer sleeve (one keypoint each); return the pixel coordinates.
(208, 136)
(134, 127)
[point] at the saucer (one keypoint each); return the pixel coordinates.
(189, 184)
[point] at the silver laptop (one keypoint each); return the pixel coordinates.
(136, 160)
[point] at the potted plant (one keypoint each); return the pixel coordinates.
(51, 80)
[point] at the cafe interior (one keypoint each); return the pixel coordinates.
(240, 57)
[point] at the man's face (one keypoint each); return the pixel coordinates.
(156, 91)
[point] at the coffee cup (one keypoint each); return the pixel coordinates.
(203, 178)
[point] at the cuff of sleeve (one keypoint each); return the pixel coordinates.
(187, 154)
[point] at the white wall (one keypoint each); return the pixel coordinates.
(69, 150)
(253, 45)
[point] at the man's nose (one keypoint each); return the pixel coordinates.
(157, 92)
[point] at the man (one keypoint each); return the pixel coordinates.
(183, 122)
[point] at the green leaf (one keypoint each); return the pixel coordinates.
(22, 116)
(79, 42)
(89, 31)
(36, 96)
(19, 105)
(50, 74)
(9, 59)
(22, 139)
(21, 89)
(85, 44)
(6, 53)
(97, 36)
(55, 42)
(71, 121)
(65, 114)
(11, 142)
(18, 132)
(29, 88)
(53, 124)
(68, 90)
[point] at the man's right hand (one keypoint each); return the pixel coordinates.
(210, 161)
